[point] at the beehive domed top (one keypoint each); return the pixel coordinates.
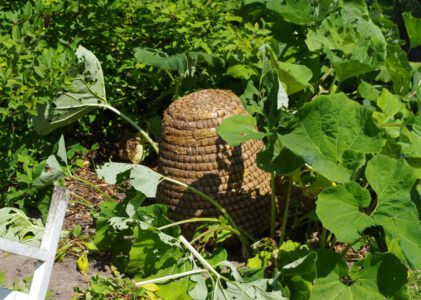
(204, 105)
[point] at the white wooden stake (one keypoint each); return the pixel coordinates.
(45, 254)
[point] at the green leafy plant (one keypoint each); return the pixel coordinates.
(329, 89)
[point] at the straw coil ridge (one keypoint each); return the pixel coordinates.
(192, 152)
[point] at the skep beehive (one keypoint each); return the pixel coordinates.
(192, 152)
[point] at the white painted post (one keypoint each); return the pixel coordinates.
(45, 254)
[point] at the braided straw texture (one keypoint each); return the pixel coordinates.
(192, 152)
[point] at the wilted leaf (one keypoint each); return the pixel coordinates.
(87, 91)
(50, 174)
(142, 178)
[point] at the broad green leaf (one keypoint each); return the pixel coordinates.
(341, 210)
(149, 253)
(142, 178)
(300, 12)
(366, 280)
(219, 255)
(241, 71)
(298, 268)
(412, 26)
(295, 77)
(410, 143)
(400, 221)
(176, 62)
(392, 277)
(329, 261)
(276, 158)
(391, 179)
(366, 90)
(239, 128)
(396, 69)
(329, 132)
(350, 40)
(389, 104)
(87, 92)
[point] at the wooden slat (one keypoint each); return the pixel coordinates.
(22, 249)
(6, 294)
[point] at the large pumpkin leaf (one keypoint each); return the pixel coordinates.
(392, 181)
(368, 279)
(87, 92)
(351, 41)
(341, 209)
(332, 134)
(390, 178)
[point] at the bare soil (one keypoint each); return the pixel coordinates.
(64, 278)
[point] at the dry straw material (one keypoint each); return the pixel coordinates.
(192, 152)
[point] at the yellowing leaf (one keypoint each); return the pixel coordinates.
(83, 263)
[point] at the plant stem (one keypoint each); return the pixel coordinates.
(214, 220)
(170, 277)
(134, 124)
(391, 124)
(82, 201)
(323, 237)
(228, 227)
(218, 206)
(198, 256)
(272, 206)
(91, 185)
(119, 113)
(286, 212)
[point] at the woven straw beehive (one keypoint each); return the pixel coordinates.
(192, 152)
